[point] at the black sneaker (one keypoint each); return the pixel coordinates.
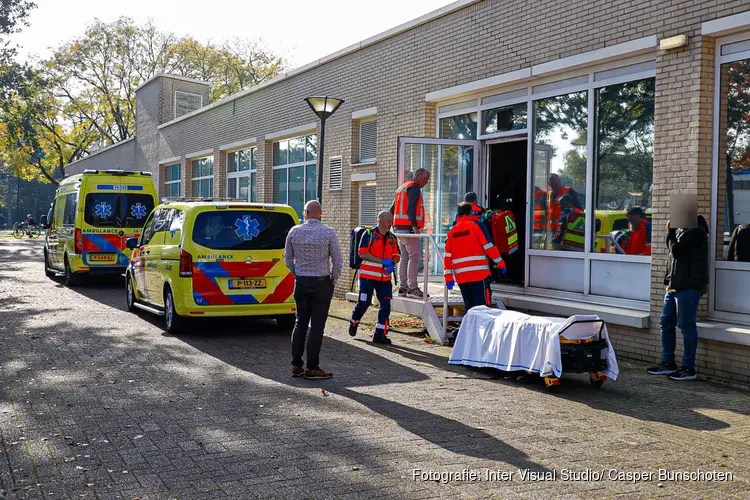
(684, 374)
(403, 292)
(380, 338)
(353, 325)
(663, 369)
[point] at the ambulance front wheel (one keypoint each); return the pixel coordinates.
(130, 293)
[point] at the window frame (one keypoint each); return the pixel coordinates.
(374, 159)
(313, 162)
(714, 263)
(251, 173)
(171, 182)
(645, 68)
(202, 178)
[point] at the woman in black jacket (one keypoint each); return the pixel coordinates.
(687, 281)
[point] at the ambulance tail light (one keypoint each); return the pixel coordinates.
(186, 264)
(78, 238)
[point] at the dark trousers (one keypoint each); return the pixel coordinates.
(313, 299)
(384, 291)
(476, 293)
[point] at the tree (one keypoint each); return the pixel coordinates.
(737, 156)
(83, 97)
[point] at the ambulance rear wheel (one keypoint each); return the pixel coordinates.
(174, 322)
(71, 279)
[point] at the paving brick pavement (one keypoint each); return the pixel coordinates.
(101, 403)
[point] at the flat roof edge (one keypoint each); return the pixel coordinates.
(430, 16)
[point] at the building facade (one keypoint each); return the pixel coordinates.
(627, 103)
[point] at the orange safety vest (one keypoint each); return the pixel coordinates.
(574, 238)
(382, 247)
(476, 212)
(466, 252)
(540, 202)
(554, 212)
(504, 234)
(401, 207)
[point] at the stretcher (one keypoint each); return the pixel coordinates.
(514, 341)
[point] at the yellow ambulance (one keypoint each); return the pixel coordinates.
(93, 214)
(208, 258)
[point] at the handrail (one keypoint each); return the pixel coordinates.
(426, 259)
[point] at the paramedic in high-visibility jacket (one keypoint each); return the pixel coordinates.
(379, 252)
(476, 210)
(466, 252)
(409, 218)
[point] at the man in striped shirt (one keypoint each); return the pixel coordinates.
(312, 253)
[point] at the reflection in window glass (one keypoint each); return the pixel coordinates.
(624, 166)
(733, 214)
(459, 127)
(504, 119)
(560, 125)
(232, 162)
(295, 185)
(279, 186)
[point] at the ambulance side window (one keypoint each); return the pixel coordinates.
(71, 206)
(148, 230)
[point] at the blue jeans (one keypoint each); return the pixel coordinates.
(384, 291)
(680, 309)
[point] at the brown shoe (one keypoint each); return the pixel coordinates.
(297, 371)
(317, 374)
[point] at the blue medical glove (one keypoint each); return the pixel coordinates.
(450, 285)
(388, 265)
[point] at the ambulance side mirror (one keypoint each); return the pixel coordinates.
(131, 243)
(598, 225)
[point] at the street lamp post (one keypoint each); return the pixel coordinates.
(324, 107)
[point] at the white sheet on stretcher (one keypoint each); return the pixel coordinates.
(510, 341)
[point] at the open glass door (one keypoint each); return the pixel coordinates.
(453, 167)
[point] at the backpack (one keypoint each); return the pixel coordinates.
(355, 238)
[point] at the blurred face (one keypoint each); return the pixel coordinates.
(386, 221)
(635, 221)
(555, 182)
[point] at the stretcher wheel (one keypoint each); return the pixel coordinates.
(597, 379)
(551, 382)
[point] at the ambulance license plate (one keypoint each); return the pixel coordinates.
(246, 283)
(102, 257)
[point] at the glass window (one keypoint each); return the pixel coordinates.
(203, 177)
(459, 127)
(117, 210)
(232, 162)
(311, 182)
(71, 206)
(172, 180)
(733, 211)
(241, 182)
(624, 166)
(560, 125)
(280, 153)
(279, 186)
(242, 230)
(297, 188)
(253, 187)
(504, 119)
(294, 179)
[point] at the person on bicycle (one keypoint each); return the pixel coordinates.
(30, 224)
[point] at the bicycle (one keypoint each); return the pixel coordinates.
(21, 229)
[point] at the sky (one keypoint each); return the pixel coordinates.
(302, 31)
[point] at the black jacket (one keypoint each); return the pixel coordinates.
(739, 245)
(688, 259)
